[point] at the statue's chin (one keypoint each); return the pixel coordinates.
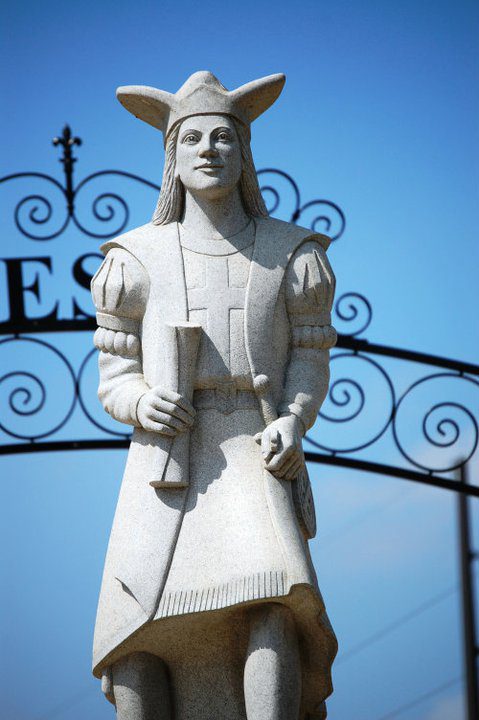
(211, 187)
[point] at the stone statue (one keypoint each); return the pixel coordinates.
(214, 337)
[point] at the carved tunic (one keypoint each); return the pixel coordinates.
(227, 550)
(232, 536)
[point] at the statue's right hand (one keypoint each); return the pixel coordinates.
(165, 412)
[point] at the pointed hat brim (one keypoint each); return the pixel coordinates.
(254, 98)
(201, 94)
(147, 103)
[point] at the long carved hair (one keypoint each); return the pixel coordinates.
(172, 195)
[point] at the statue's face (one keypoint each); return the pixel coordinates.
(208, 155)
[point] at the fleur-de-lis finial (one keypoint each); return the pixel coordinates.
(67, 141)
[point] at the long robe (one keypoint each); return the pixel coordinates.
(151, 555)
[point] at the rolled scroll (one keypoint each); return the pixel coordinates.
(170, 459)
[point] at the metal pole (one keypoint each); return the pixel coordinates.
(468, 614)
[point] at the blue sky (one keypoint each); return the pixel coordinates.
(379, 114)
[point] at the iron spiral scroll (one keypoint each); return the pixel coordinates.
(427, 428)
(37, 209)
(113, 209)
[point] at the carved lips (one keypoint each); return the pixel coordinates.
(209, 166)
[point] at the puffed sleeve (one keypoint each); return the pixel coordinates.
(120, 291)
(310, 286)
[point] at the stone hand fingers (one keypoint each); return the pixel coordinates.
(270, 441)
(283, 459)
(167, 419)
(174, 411)
(170, 396)
(158, 427)
(156, 414)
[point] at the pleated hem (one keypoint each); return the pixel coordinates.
(258, 586)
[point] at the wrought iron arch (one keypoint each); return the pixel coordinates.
(447, 427)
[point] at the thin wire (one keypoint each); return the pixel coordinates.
(421, 698)
(396, 623)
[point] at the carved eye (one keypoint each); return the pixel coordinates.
(190, 139)
(223, 136)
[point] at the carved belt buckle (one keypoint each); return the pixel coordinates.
(226, 397)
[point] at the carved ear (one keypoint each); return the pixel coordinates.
(258, 95)
(147, 103)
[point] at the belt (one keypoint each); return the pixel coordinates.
(226, 398)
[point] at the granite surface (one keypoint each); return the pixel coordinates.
(214, 330)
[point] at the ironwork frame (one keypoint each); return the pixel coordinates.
(467, 557)
(440, 426)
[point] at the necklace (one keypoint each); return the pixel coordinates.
(222, 246)
(217, 237)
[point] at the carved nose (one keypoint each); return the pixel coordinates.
(208, 151)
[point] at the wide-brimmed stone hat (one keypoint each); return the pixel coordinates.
(201, 94)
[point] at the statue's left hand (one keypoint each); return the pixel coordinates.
(281, 447)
